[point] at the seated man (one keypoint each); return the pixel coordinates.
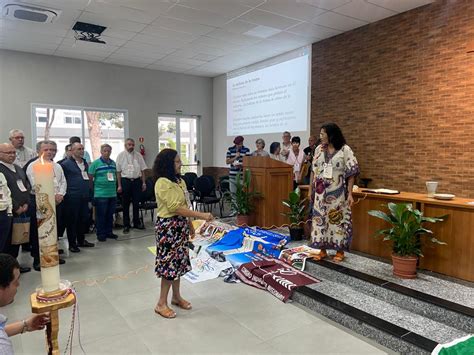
(9, 282)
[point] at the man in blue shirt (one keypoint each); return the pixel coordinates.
(77, 198)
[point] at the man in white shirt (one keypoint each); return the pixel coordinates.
(46, 149)
(131, 182)
(23, 153)
(6, 212)
(286, 145)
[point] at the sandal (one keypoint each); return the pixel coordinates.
(166, 312)
(182, 304)
(338, 257)
(322, 254)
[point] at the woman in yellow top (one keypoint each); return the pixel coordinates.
(172, 230)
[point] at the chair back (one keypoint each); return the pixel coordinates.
(203, 186)
(149, 193)
(224, 183)
(191, 177)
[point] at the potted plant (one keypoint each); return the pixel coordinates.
(242, 200)
(406, 228)
(297, 213)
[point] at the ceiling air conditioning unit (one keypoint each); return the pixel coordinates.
(27, 12)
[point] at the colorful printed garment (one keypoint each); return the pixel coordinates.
(331, 216)
(172, 254)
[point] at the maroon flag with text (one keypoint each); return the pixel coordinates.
(275, 276)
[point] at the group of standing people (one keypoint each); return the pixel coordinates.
(78, 183)
(329, 166)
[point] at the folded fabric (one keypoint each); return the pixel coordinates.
(232, 240)
(275, 276)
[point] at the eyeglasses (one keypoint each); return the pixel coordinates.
(18, 138)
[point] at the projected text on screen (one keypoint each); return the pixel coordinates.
(269, 100)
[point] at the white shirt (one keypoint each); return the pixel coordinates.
(9, 166)
(130, 165)
(6, 347)
(23, 155)
(5, 195)
(60, 184)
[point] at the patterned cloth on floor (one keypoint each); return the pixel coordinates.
(275, 276)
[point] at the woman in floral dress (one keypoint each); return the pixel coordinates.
(172, 230)
(334, 170)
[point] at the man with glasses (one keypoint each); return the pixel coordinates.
(77, 198)
(47, 149)
(23, 153)
(19, 189)
(131, 183)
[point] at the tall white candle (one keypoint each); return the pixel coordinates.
(47, 232)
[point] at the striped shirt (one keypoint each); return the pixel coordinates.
(236, 166)
(105, 178)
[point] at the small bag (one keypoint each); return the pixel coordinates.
(21, 230)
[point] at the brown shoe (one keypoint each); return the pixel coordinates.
(339, 256)
(322, 254)
(166, 312)
(182, 304)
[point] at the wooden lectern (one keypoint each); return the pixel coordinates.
(274, 180)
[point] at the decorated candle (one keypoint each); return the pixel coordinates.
(43, 172)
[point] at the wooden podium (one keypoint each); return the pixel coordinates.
(274, 180)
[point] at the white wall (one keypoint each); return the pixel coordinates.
(222, 142)
(30, 78)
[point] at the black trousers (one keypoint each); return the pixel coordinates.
(5, 230)
(34, 241)
(60, 219)
(76, 210)
(131, 192)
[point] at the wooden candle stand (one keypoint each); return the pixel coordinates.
(52, 328)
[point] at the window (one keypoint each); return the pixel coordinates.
(178, 131)
(72, 120)
(94, 126)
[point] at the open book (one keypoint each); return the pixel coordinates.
(382, 191)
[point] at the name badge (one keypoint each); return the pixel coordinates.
(20, 185)
(85, 176)
(110, 176)
(327, 173)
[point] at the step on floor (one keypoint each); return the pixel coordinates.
(461, 292)
(451, 314)
(394, 314)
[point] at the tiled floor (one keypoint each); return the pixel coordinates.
(117, 316)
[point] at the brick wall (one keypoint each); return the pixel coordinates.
(402, 90)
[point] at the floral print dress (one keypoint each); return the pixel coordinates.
(331, 215)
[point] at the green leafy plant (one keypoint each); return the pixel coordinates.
(297, 206)
(406, 228)
(242, 200)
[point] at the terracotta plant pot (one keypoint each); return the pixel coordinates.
(404, 266)
(243, 220)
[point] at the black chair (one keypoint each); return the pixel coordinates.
(224, 188)
(205, 193)
(148, 200)
(191, 177)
